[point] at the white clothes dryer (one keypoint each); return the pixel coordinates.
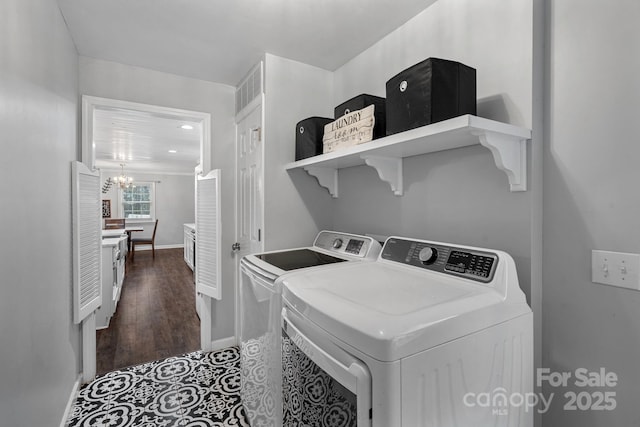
(422, 337)
(260, 307)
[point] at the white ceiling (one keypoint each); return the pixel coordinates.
(220, 40)
(214, 40)
(142, 142)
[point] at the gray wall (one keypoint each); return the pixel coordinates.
(296, 207)
(39, 344)
(495, 37)
(175, 204)
(591, 178)
(117, 81)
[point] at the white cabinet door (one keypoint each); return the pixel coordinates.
(187, 246)
(105, 311)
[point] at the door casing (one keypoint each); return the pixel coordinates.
(89, 105)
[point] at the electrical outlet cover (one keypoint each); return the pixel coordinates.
(616, 269)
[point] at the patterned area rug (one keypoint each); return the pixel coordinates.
(196, 389)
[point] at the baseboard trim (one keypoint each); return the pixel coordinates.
(71, 401)
(148, 247)
(223, 343)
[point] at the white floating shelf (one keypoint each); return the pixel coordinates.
(507, 143)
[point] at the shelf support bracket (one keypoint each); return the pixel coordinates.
(327, 178)
(389, 170)
(510, 155)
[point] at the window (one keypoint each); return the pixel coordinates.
(138, 201)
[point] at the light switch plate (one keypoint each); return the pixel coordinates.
(616, 269)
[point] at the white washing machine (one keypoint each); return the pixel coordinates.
(260, 307)
(431, 334)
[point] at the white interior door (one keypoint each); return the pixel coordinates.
(249, 188)
(208, 256)
(208, 235)
(250, 182)
(87, 239)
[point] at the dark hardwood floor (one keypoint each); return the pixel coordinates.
(156, 316)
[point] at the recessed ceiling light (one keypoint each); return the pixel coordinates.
(186, 127)
(173, 151)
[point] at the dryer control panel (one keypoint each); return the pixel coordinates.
(348, 244)
(457, 261)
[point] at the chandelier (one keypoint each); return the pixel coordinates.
(123, 181)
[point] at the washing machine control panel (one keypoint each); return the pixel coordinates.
(348, 244)
(456, 261)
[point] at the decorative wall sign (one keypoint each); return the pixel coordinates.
(349, 130)
(106, 209)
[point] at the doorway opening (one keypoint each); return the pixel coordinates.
(147, 141)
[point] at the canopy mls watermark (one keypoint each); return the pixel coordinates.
(597, 393)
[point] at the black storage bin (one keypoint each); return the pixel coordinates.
(428, 92)
(361, 101)
(309, 133)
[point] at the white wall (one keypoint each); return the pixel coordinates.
(295, 206)
(175, 204)
(40, 352)
(458, 195)
(591, 178)
(117, 81)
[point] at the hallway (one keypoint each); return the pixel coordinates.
(156, 316)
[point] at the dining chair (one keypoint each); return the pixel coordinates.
(145, 241)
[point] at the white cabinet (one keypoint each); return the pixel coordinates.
(114, 251)
(190, 245)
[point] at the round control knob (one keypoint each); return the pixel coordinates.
(337, 243)
(428, 255)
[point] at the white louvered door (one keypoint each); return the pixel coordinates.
(87, 239)
(208, 256)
